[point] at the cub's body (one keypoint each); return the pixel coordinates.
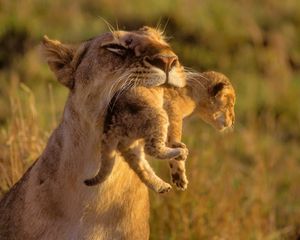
(150, 120)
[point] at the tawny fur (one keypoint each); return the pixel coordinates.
(150, 119)
(51, 201)
(138, 116)
(211, 96)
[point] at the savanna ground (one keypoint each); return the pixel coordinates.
(243, 185)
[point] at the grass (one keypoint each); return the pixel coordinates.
(243, 185)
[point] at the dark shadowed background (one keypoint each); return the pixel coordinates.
(243, 185)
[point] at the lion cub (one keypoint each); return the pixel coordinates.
(149, 121)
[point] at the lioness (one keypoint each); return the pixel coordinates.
(51, 201)
(140, 119)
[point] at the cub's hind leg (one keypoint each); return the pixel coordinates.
(135, 157)
(155, 136)
(178, 174)
(177, 170)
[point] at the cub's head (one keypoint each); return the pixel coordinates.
(215, 98)
(114, 61)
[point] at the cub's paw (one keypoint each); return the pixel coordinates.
(174, 153)
(184, 152)
(163, 188)
(178, 176)
(177, 145)
(180, 180)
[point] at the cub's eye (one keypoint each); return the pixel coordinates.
(115, 48)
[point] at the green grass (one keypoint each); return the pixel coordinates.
(243, 185)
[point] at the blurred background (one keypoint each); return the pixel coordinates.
(243, 185)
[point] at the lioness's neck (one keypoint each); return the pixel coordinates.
(73, 155)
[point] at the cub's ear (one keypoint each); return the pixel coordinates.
(59, 57)
(217, 88)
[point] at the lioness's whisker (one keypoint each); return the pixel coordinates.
(120, 93)
(136, 82)
(118, 81)
(109, 26)
(196, 81)
(124, 87)
(193, 76)
(113, 88)
(191, 70)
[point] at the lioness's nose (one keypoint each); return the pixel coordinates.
(164, 62)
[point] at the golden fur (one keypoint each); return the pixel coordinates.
(211, 96)
(138, 117)
(51, 201)
(143, 118)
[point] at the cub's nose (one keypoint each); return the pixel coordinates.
(163, 62)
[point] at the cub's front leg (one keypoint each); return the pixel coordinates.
(177, 168)
(135, 157)
(155, 136)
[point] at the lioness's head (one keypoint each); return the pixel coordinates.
(113, 61)
(215, 104)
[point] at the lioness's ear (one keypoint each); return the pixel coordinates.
(59, 57)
